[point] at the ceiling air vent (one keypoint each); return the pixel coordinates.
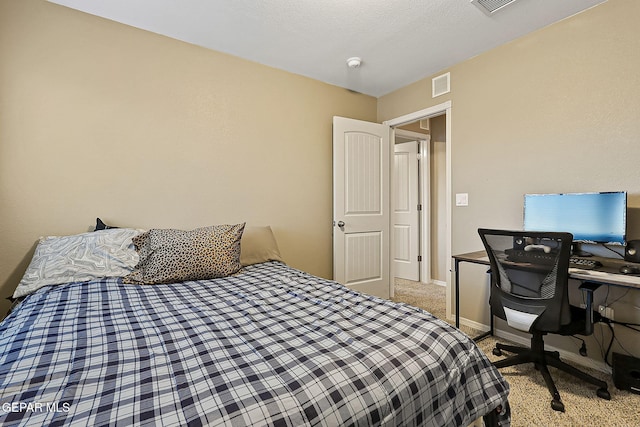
(490, 7)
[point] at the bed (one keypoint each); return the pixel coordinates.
(266, 345)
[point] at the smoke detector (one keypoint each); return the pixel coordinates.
(354, 62)
(489, 7)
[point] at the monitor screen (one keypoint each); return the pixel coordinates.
(590, 217)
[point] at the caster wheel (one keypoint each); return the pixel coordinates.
(603, 393)
(557, 405)
(497, 352)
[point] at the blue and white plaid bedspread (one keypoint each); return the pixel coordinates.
(269, 346)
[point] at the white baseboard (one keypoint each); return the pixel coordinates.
(471, 324)
(567, 356)
(438, 283)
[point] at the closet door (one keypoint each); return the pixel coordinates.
(406, 217)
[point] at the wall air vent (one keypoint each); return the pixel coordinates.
(440, 85)
(490, 7)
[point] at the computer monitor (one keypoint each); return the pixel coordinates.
(590, 217)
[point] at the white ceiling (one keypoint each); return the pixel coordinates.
(399, 41)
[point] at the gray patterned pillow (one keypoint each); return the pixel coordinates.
(171, 256)
(79, 258)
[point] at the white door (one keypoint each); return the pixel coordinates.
(361, 159)
(406, 216)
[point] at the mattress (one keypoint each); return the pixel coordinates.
(270, 345)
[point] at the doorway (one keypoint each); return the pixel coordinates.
(406, 204)
(425, 188)
(435, 223)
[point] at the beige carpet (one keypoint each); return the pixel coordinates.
(529, 397)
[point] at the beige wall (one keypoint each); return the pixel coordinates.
(101, 119)
(555, 111)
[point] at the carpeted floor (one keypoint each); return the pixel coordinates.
(529, 397)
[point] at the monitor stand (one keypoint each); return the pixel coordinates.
(576, 251)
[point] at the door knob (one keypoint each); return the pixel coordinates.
(340, 224)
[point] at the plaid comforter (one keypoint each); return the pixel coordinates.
(268, 346)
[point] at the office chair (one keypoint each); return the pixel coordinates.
(529, 276)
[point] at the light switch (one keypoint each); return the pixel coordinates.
(462, 199)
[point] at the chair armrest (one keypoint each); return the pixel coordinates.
(589, 288)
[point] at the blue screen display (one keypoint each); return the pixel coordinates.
(590, 217)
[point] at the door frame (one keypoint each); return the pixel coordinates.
(424, 184)
(436, 110)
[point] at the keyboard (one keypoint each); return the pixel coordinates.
(584, 264)
(539, 257)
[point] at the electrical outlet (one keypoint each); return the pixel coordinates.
(606, 312)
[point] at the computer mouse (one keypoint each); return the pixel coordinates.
(629, 269)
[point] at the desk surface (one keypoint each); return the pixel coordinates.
(607, 274)
(477, 257)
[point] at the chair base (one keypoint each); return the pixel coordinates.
(541, 360)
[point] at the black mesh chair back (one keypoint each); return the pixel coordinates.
(529, 290)
(529, 280)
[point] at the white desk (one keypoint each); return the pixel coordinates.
(605, 275)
